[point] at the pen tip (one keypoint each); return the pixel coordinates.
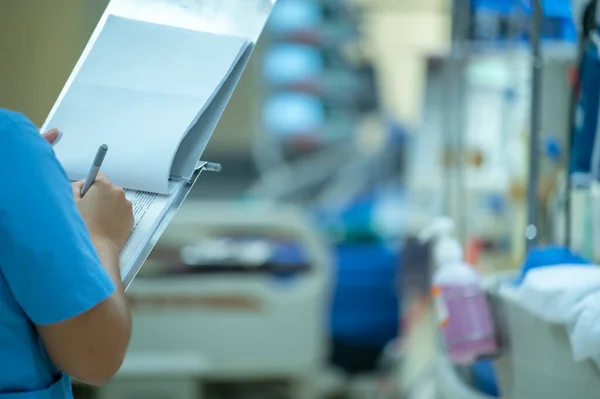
(104, 148)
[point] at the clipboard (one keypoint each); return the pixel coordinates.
(241, 18)
(180, 196)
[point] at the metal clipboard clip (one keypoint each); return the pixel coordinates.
(209, 166)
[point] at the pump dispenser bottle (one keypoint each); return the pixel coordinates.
(461, 306)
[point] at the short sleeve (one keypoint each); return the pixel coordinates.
(46, 254)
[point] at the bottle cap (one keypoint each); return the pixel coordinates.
(443, 226)
(448, 250)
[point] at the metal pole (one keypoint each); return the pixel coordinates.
(574, 98)
(461, 16)
(531, 231)
(462, 200)
(460, 53)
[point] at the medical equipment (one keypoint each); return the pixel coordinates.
(238, 292)
(316, 95)
(535, 359)
(507, 20)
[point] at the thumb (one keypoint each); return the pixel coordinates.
(52, 136)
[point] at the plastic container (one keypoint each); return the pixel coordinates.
(549, 256)
(508, 19)
(461, 305)
(496, 20)
(365, 309)
(365, 300)
(450, 385)
(484, 378)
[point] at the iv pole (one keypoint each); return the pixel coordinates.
(531, 231)
(455, 184)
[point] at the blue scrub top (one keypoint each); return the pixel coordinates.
(49, 270)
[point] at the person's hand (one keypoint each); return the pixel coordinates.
(105, 210)
(52, 136)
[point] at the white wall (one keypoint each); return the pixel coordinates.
(399, 40)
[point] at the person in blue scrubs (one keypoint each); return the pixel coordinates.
(62, 305)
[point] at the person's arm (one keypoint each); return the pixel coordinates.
(91, 346)
(73, 343)
(70, 290)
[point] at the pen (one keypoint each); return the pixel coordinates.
(93, 173)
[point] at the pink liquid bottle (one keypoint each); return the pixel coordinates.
(460, 302)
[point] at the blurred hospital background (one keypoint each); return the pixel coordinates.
(392, 169)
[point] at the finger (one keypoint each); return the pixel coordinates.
(120, 191)
(77, 187)
(102, 178)
(52, 136)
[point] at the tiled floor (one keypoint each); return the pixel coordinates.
(417, 376)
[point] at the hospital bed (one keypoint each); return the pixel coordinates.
(201, 316)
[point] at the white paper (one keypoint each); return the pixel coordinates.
(140, 90)
(148, 211)
(193, 145)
